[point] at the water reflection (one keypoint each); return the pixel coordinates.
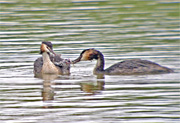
(121, 29)
(91, 88)
(88, 87)
(47, 91)
(47, 77)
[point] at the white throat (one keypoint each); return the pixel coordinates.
(48, 66)
(46, 58)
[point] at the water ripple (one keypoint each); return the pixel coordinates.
(120, 29)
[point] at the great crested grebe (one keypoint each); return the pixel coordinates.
(50, 64)
(128, 67)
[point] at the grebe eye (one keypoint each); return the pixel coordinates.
(91, 56)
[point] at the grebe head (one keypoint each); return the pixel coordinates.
(88, 54)
(46, 47)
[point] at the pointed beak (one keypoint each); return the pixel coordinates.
(52, 51)
(44, 48)
(76, 60)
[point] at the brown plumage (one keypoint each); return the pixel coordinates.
(50, 63)
(128, 67)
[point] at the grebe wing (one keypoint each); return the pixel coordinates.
(38, 65)
(58, 61)
(56, 58)
(62, 64)
(138, 66)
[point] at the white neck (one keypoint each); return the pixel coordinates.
(48, 66)
(46, 58)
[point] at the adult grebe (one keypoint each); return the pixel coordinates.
(50, 64)
(128, 67)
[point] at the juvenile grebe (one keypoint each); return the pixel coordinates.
(128, 67)
(50, 64)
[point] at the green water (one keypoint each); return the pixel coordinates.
(120, 29)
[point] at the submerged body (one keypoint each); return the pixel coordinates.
(50, 64)
(128, 67)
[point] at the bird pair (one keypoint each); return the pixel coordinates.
(54, 64)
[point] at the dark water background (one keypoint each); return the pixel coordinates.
(121, 29)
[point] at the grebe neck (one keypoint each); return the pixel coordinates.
(46, 58)
(99, 68)
(48, 65)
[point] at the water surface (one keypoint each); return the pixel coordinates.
(120, 30)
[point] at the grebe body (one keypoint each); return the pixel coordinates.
(127, 67)
(50, 63)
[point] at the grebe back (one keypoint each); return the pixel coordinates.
(127, 67)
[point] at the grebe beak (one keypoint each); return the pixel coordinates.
(52, 51)
(76, 60)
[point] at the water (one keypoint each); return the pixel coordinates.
(120, 30)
